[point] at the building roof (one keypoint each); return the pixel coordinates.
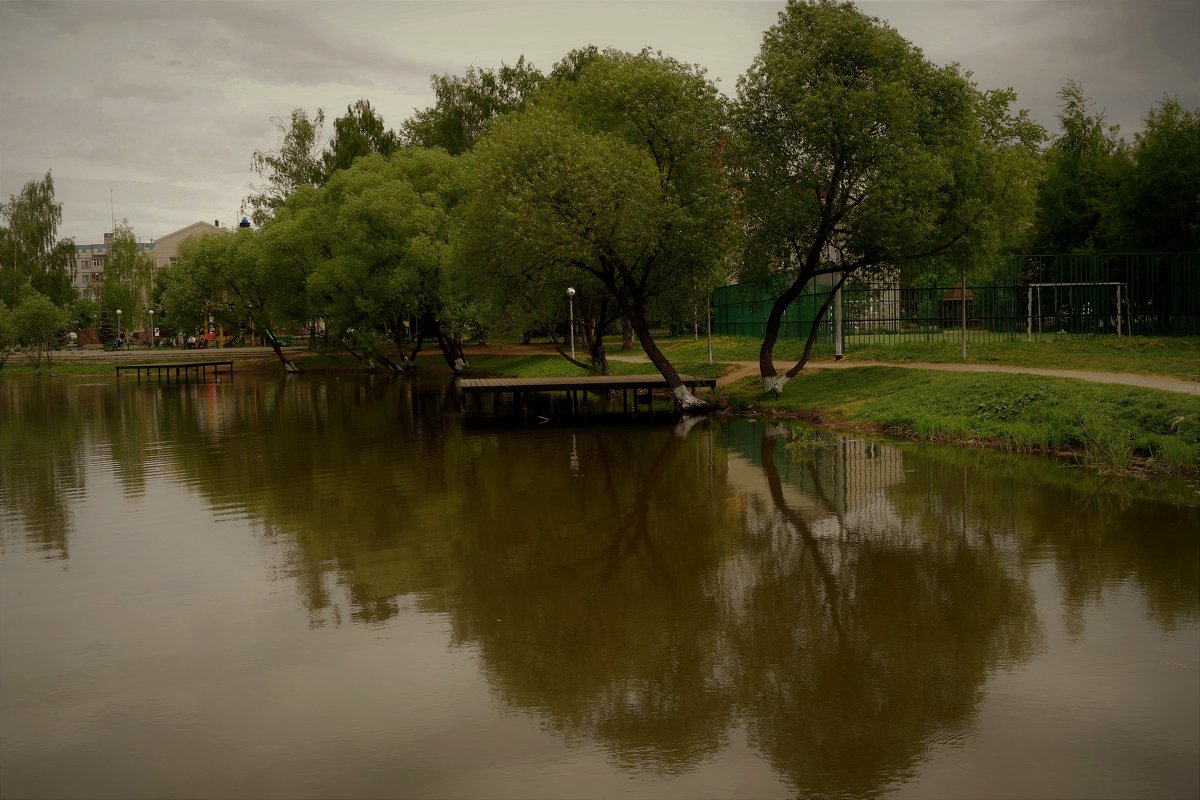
(189, 230)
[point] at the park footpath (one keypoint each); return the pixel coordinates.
(745, 369)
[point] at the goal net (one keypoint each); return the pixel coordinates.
(1082, 307)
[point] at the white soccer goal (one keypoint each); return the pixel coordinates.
(1069, 292)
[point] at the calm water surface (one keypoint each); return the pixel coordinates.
(332, 588)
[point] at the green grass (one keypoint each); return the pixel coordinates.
(1114, 428)
(1177, 357)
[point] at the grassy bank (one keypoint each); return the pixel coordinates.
(1115, 428)
(1177, 357)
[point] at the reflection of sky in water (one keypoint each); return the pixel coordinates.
(200, 630)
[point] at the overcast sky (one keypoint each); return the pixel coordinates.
(163, 103)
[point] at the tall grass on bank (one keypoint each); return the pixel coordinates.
(1113, 427)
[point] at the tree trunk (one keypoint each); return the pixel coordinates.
(599, 356)
(816, 327)
(626, 334)
(593, 317)
(274, 342)
(405, 365)
(683, 397)
(766, 364)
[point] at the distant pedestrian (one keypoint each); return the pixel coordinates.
(121, 340)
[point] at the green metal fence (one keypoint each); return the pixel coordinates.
(1037, 297)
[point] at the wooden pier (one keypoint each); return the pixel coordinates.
(576, 389)
(184, 371)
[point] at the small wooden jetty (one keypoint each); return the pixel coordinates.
(576, 389)
(183, 371)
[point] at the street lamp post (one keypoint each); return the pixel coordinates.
(571, 308)
(150, 338)
(118, 327)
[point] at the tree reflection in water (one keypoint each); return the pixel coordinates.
(654, 589)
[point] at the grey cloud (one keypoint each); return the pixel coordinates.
(144, 92)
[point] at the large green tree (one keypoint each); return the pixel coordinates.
(854, 153)
(612, 180)
(31, 254)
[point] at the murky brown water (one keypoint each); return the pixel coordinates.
(328, 588)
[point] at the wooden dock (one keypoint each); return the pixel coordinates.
(184, 371)
(576, 389)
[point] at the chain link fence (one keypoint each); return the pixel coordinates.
(1036, 298)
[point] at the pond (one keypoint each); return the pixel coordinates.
(324, 587)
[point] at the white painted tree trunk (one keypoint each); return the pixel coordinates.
(775, 383)
(290, 367)
(686, 399)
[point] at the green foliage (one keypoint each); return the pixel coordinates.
(1098, 193)
(37, 325)
(31, 255)
(8, 334)
(1157, 204)
(465, 105)
(128, 279)
(1081, 174)
(304, 159)
(360, 132)
(380, 231)
(182, 296)
(237, 281)
(104, 328)
(296, 162)
(82, 312)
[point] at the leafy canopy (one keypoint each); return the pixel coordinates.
(32, 257)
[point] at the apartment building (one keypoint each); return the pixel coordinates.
(90, 258)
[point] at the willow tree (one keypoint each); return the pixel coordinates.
(378, 245)
(856, 153)
(613, 179)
